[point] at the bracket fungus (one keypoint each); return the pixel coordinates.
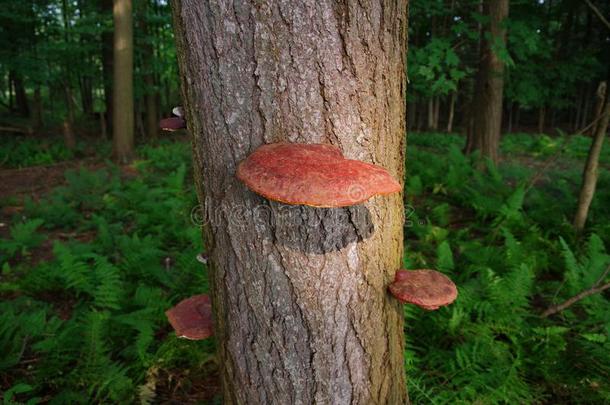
(175, 122)
(428, 289)
(192, 318)
(316, 175)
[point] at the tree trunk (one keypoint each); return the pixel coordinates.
(107, 65)
(541, 117)
(437, 110)
(509, 124)
(577, 115)
(599, 105)
(86, 93)
(150, 93)
(37, 110)
(68, 123)
(586, 109)
(411, 115)
(21, 98)
(487, 115)
(122, 92)
(301, 309)
(430, 114)
(451, 110)
(589, 178)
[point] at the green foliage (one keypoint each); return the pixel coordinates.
(511, 256)
(90, 321)
(24, 237)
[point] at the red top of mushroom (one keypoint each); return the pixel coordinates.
(192, 318)
(313, 174)
(427, 289)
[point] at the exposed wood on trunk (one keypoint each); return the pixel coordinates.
(590, 174)
(122, 92)
(302, 312)
(484, 135)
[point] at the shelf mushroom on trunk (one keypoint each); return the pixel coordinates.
(428, 289)
(316, 175)
(192, 318)
(175, 122)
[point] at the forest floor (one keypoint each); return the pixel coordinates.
(92, 254)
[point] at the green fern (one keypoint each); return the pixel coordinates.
(24, 236)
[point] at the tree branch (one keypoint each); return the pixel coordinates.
(551, 159)
(598, 13)
(596, 288)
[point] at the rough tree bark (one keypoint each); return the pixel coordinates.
(301, 308)
(590, 174)
(122, 92)
(484, 135)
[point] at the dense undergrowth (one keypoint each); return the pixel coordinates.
(89, 270)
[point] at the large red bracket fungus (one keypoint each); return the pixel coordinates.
(427, 289)
(192, 318)
(175, 122)
(316, 175)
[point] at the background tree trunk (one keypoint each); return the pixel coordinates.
(150, 92)
(68, 123)
(600, 94)
(541, 119)
(21, 98)
(107, 65)
(484, 134)
(451, 110)
(301, 307)
(431, 114)
(37, 109)
(122, 92)
(589, 178)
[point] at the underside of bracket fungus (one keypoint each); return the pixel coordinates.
(192, 318)
(174, 123)
(427, 289)
(316, 175)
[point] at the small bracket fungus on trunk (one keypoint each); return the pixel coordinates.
(175, 122)
(315, 175)
(192, 318)
(427, 289)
